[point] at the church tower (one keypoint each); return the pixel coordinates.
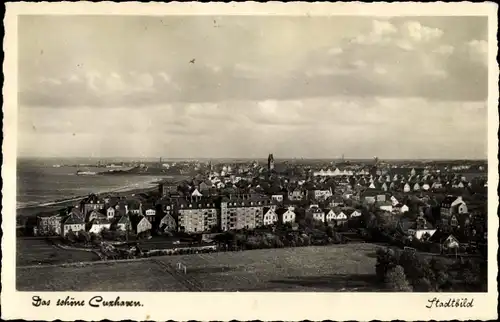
(270, 162)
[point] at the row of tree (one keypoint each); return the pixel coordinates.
(406, 271)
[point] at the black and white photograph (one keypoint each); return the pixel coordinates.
(228, 153)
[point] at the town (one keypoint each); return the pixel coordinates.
(437, 208)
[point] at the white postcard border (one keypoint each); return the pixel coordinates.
(241, 306)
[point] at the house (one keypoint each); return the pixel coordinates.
(73, 222)
(98, 224)
(94, 214)
(355, 213)
(196, 193)
(322, 194)
(337, 201)
(270, 216)
(149, 212)
(48, 224)
(449, 242)
(123, 223)
(285, 215)
(436, 185)
(385, 205)
(296, 194)
(421, 228)
(338, 217)
(168, 223)
(140, 224)
(452, 205)
(277, 197)
(401, 208)
(330, 215)
(110, 213)
(92, 202)
(133, 207)
(370, 199)
(316, 213)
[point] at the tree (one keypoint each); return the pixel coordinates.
(386, 260)
(71, 237)
(396, 280)
(83, 236)
(423, 285)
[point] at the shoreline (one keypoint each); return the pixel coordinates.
(136, 188)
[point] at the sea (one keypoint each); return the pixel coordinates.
(42, 182)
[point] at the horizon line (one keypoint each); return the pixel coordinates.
(259, 158)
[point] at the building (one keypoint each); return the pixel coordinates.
(124, 223)
(385, 205)
(336, 216)
(401, 208)
(270, 216)
(48, 224)
(243, 211)
(285, 215)
(322, 194)
(316, 213)
(452, 205)
(296, 194)
(167, 223)
(111, 212)
(140, 224)
(94, 214)
(270, 162)
(97, 225)
(168, 190)
(92, 202)
(197, 215)
(148, 211)
(277, 197)
(73, 222)
(421, 228)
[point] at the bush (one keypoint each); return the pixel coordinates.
(83, 237)
(71, 237)
(395, 280)
(386, 260)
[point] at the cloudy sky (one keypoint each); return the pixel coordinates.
(310, 87)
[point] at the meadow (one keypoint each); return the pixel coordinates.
(332, 268)
(39, 251)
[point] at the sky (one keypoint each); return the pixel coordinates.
(246, 86)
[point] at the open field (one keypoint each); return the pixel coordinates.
(33, 251)
(318, 268)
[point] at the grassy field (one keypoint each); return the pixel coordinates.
(321, 269)
(36, 251)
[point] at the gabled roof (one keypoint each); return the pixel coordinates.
(449, 200)
(281, 211)
(135, 220)
(73, 219)
(99, 221)
(125, 219)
